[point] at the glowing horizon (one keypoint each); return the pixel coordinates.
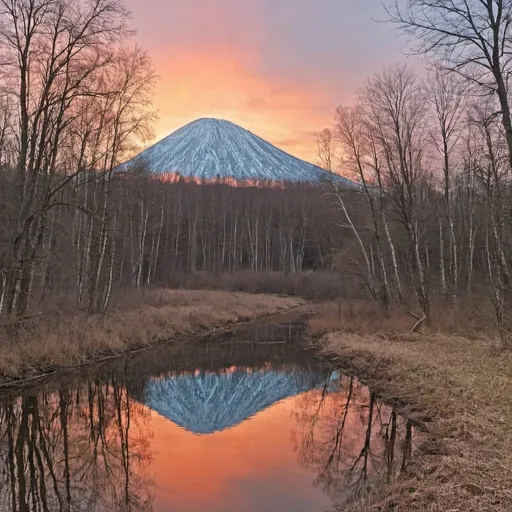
(277, 70)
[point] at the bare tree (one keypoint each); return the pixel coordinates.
(53, 51)
(395, 111)
(472, 38)
(326, 150)
(446, 101)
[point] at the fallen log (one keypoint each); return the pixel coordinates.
(419, 321)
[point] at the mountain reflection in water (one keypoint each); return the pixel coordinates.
(280, 436)
(206, 402)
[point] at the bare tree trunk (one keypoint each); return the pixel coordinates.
(471, 258)
(441, 257)
(142, 240)
(157, 249)
(421, 276)
(111, 264)
(354, 230)
(393, 258)
(4, 290)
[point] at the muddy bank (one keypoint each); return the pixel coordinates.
(60, 342)
(460, 391)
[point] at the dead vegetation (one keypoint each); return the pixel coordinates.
(458, 388)
(468, 318)
(139, 319)
(317, 285)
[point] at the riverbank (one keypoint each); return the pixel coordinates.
(56, 342)
(457, 388)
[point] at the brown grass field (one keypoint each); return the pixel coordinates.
(457, 387)
(137, 320)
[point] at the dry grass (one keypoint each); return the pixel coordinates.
(460, 390)
(137, 320)
(468, 319)
(318, 285)
(358, 317)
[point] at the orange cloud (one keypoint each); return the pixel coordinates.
(219, 82)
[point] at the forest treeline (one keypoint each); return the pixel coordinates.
(75, 102)
(429, 222)
(75, 95)
(432, 150)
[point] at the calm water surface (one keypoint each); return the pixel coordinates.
(251, 422)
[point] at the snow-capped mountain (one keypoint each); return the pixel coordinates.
(204, 403)
(213, 148)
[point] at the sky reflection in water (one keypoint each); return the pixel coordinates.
(287, 437)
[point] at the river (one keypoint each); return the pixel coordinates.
(249, 420)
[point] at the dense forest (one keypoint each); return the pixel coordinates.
(431, 151)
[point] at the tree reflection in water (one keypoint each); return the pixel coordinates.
(349, 439)
(85, 449)
(89, 447)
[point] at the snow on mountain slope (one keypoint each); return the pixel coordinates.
(214, 148)
(204, 403)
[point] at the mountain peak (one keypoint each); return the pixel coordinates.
(208, 123)
(209, 148)
(213, 121)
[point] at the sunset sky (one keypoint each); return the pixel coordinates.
(276, 67)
